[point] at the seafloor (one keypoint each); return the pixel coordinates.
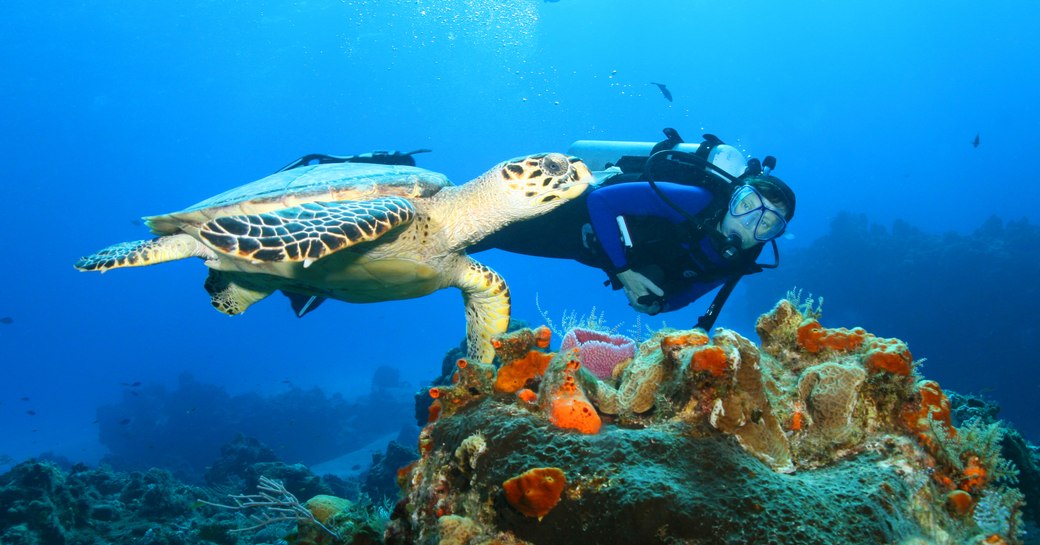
(812, 436)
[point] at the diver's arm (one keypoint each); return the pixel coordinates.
(638, 199)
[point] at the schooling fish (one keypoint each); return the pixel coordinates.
(664, 90)
(975, 142)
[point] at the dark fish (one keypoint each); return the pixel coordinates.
(975, 142)
(26, 398)
(664, 90)
(7, 320)
(124, 421)
(30, 413)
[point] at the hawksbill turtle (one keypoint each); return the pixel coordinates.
(359, 233)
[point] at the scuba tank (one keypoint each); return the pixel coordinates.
(631, 157)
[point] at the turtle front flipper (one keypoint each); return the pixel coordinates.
(487, 307)
(307, 232)
(144, 252)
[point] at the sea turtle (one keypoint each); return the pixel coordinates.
(359, 233)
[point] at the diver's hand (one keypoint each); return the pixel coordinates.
(643, 295)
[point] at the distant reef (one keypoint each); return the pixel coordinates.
(183, 429)
(44, 504)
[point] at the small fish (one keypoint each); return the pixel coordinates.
(7, 320)
(30, 413)
(975, 142)
(664, 90)
(124, 421)
(25, 398)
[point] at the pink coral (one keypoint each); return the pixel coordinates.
(600, 352)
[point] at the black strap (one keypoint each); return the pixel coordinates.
(707, 320)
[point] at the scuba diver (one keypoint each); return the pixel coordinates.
(669, 222)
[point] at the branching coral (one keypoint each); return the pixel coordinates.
(570, 320)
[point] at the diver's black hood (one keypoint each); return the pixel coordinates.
(783, 188)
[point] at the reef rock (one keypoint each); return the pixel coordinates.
(820, 436)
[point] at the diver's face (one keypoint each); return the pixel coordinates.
(752, 218)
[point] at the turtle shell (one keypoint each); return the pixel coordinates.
(324, 182)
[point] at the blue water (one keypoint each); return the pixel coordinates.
(115, 110)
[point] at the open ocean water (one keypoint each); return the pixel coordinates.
(923, 112)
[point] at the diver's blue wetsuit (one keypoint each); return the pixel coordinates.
(638, 199)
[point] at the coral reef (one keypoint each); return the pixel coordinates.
(944, 293)
(709, 439)
(699, 439)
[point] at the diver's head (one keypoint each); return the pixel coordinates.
(758, 211)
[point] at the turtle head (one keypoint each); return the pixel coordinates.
(541, 182)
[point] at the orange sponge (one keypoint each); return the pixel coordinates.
(711, 359)
(513, 375)
(933, 402)
(574, 412)
(974, 476)
(889, 355)
(959, 502)
(814, 338)
(535, 492)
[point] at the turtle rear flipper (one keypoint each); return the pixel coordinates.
(231, 297)
(307, 232)
(144, 252)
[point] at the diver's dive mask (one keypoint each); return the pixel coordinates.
(752, 217)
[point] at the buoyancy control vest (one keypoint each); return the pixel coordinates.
(695, 251)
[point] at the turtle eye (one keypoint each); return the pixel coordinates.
(555, 164)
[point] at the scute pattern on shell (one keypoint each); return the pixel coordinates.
(306, 232)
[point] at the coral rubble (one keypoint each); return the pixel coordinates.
(709, 440)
